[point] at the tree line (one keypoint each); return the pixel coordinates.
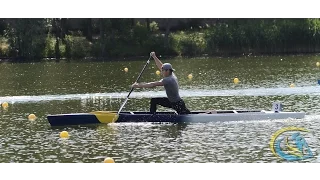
(29, 39)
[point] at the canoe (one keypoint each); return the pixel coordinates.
(169, 117)
(97, 117)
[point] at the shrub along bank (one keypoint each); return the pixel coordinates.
(33, 39)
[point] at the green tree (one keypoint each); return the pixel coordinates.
(27, 37)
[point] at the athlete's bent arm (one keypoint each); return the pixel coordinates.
(158, 62)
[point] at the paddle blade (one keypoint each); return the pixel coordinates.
(106, 116)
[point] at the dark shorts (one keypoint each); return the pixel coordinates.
(179, 106)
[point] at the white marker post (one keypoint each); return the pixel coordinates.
(276, 107)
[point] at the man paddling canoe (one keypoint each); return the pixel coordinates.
(170, 83)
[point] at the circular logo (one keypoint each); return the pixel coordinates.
(289, 144)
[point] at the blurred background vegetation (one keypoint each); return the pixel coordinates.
(36, 39)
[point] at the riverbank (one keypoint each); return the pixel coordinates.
(232, 37)
(230, 55)
(163, 57)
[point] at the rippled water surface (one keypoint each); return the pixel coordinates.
(69, 87)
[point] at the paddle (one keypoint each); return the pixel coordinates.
(132, 87)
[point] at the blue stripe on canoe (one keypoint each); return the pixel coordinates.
(87, 118)
(72, 119)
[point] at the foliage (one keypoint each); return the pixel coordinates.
(27, 37)
(36, 38)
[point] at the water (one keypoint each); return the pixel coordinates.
(69, 87)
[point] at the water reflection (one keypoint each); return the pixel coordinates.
(173, 131)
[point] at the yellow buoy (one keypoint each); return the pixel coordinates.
(108, 160)
(126, 69)
(158, 72)
(4, 105)
(190, 76)
(318, 64)
(236, 80)
(291, 85)
(64, 134)
(32, 117)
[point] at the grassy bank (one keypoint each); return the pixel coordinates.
(232, 38)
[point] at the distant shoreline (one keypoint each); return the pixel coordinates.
(137, 58)
(126, 39)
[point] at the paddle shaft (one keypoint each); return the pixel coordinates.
(132, 87)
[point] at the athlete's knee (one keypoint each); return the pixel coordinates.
(153, 100)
